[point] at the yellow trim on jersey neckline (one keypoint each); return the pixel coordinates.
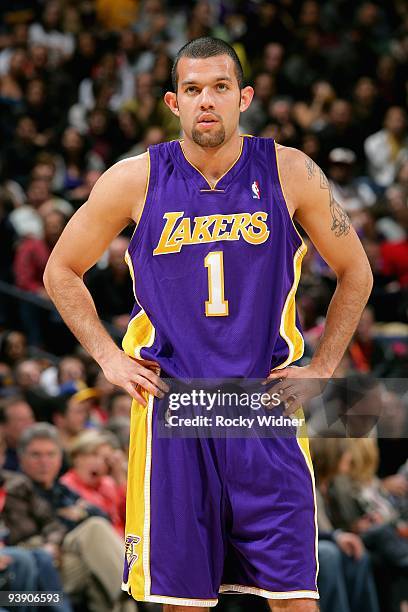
(213, 187)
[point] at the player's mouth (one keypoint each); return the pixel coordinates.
(206, 120)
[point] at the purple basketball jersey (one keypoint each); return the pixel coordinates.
(215, 272)
(215, 269)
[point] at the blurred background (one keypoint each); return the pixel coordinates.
(81, 86)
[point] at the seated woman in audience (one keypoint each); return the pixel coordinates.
(98, 474)
(345, 579)
(359, 503)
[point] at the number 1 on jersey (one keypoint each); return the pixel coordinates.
(216, 305)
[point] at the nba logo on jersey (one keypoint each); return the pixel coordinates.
(256, 192)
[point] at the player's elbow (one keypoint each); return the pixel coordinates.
(360, 276)
(369, 280)
(47, 276)
(50, 276)
(366, 278)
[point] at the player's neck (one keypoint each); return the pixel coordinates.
(213, 162)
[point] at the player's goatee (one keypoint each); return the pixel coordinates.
(205, 139)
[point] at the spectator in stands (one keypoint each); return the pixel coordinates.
(392, 434)
(119, 405)
(92, 460)
(23, 569)
(26, 219)
(341, 130)
(70, 416)
(15, 417)
(153, 135)
(29, 265)
(255, 118)
(39, 110)
(80, 194)
(345, 579)
(49, 32)
(368, 353)
(19, 155)
(28, 379)
(12, 83)
(13, 347)
(314, 114)
(385, 148)
(70, 369)
(387, 296)
(75, 159)
(33, 253)
(354, 193)
(359, 503)
(367, 106)
(114, 461)
(120, 427)
(28, 374)
(41, 511)
(82, 63)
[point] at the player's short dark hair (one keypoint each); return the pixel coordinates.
(204, 47)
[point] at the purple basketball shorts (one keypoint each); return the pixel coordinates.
(227, 515)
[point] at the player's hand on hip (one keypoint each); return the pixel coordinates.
(296, 385)
(135, 375)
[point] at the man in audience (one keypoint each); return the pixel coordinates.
(15, 416)
(74, 532)
(25, 569)
(70, 416)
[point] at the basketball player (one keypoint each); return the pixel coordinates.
(215, 261)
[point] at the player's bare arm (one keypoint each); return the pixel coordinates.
(115, 201)
(311, 203)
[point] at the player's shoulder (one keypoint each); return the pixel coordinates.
(125, 184)
(290, 158)
(300, 176)
(130, 171)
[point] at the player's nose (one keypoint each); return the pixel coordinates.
(206, 99)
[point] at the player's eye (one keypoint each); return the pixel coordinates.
(191, 89)
(222, 87)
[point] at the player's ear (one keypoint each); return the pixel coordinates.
(247, 93)
(170, 99)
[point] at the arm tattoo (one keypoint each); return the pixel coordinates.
(311, 167)
(340, 220)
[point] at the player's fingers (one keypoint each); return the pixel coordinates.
(286, 390)
(291, 405)
(153, 378)
(131, 389)
(147, 362)
(148, 385)
(276, 374)
(282, 391)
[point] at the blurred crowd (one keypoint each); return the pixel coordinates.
(81, 86)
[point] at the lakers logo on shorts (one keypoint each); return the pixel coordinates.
(131, 555)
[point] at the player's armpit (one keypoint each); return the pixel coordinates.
(114, 202)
